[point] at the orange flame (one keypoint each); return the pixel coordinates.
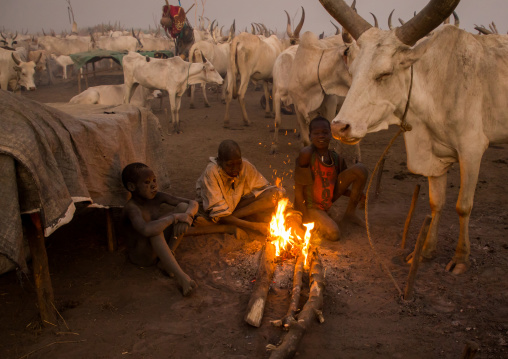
(283, 238)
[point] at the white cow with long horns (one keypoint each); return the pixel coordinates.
(173, 75)
(458, 103)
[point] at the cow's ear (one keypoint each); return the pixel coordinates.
(17, 68)
(412, 54)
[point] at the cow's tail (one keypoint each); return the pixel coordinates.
(233, 69)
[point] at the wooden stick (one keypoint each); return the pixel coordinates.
(43, 286)
(289, 318)
(112, 242)
(416, 192)
(408, 293)
(469, 350)
(311, 310)
(379, 174)
(264, 275)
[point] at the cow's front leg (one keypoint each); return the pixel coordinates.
(277, 122)
(203, 87)
(268, 111)
(193, 92)
(173, 110)
(129, 91)
(177, 112)
(224, 87)
(469, 170)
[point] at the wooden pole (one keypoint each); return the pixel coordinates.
(311, 311)
(379, 175)
(42, 279)
(112, 242)
(469, 350)
(408, 293)
(264, 275)
(416, 192)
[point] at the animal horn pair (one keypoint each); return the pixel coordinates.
(424, 22)
(298, 28)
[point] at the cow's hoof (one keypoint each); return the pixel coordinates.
(191, 106)
(226, 125)
(456, 268)
(273, 149)
(207, 105)
(223, 102)
(268, 115)
(246, 123)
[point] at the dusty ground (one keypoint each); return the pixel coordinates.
(113, 309)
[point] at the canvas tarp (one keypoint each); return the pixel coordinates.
(51, 158)
(82, 58)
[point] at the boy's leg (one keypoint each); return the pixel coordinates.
(356, 177)
(266, 201)
(141, 253)
(326, 227)
(170, 265)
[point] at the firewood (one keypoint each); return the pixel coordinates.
(311, 310)
(469, 350)
(264, 276)
(289, 318)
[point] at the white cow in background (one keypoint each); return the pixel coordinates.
(458, 104)
(112, 95)
(173, 75)
(62, 61)
(14, 72)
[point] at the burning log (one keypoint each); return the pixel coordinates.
(264, 276)
(311, 309)
(295, 296)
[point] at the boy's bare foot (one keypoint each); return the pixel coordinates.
(353, 219)
(201, 221)
(186, 285)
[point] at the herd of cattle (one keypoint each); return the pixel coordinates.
(448, 85)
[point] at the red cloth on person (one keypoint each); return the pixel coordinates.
(177, 16)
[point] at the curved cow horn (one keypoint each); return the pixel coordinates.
(456, 20)
(390, 26)
(402, 22)
(288, 30)
(38, 59)
(425, 21)
(376, 24)
(253, 31)
(203, 57)
(346, 16)
(3, 37)
(15, 59)
(337, 29)
(15, 36)
(300, 24)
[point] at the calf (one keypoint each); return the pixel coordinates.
(112, 95)
(14, 72)
(173, 75)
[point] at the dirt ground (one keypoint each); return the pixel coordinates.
(111, 308)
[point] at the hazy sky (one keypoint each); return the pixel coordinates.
(34, 15)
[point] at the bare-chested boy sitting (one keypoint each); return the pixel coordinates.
(232, 191)
(145, 223)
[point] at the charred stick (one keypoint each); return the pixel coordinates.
(410, 215)
(295, 295)
(264, 275)
(311, 310)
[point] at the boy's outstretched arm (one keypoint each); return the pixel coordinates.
(148, 229)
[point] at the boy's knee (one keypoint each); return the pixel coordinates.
(181, 207)
(332, 235)
(361, 170)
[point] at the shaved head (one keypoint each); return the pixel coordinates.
(228, 149)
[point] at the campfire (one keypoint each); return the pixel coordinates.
(288, 240)
(288, 243)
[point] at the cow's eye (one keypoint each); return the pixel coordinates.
(383, 76)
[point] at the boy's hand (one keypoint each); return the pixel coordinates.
(180, 228)
(183, 218)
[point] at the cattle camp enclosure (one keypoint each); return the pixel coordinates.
(111, 308)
